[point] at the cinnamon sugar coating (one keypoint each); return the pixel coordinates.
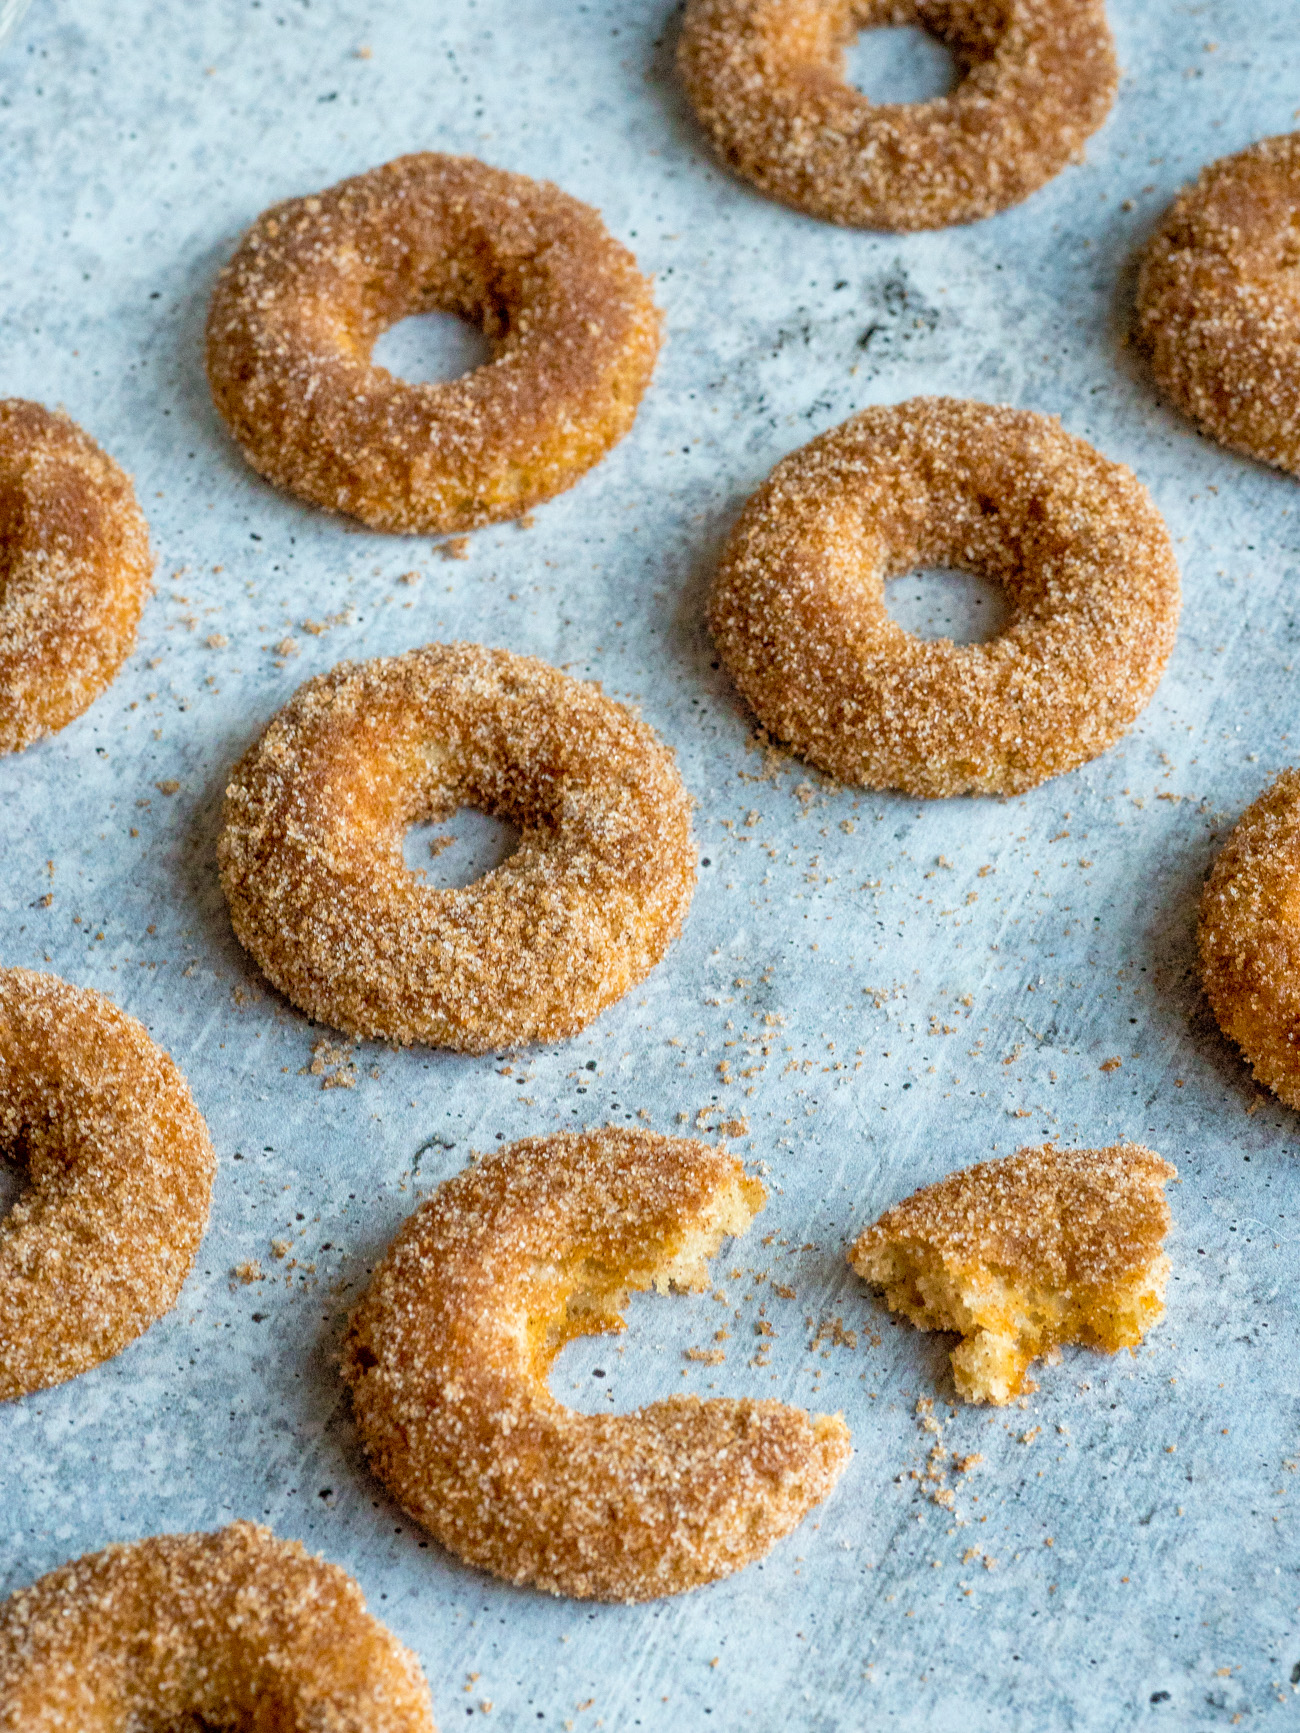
(311, 850)
(297, 310)
(448, 1355)
(75, 571)
(119, 1175)
(1219, 301)
(235, 1629)
(766, 78)
(1249, 937)
(1042, 1247)
(798, 603)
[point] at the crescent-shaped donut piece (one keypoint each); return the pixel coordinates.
(448, 1355)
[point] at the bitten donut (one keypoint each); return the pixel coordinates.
(766, 78)
(235, 1629)
(1217, 301)
(297, 311)
(1250, 937)
(75, 570)
(448, 1355)
(311, 853)
(1046, 1246)
(798, 604)
(118, 1170)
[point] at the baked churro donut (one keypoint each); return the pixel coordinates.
(119, 1173)
(235, 1629)
(297, 310)
(75, 570)
(1218, 305)
(766, 78)
(798, 604)
(449, 1350)
(311, 853)
(1250, 937)
(1045, 1246)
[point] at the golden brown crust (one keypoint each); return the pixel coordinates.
(75, 571)
(766, 78)
(119, 1175)
(448, 1355)
(798, 604)
(1219, 301)
(311, 851)
(1249, 937)
(1042, 1247)
(297, 310)
(235, 1629)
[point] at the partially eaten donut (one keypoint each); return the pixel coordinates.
(1044, 1247)
(448, 1355)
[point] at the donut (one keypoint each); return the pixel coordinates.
(1217, 302)
(1249, 937)
(1020, 1255)
(235, 1629)
(311, 850)
(798, 604)
(296, 312)
(118, 1171)
(75, 571)
(766, 78)
(448, 1352)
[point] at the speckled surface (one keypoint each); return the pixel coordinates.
(945, 981)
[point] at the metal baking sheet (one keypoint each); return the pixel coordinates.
(880, 990)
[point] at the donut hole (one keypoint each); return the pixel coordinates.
(942, 602)
(13, 523)
(593, 1375)
(448, 854)
(14, 1180)
(16, 1170)
(431, 348)
(903, 63)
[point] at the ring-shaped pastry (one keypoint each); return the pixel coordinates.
(766, 78)
(235, 1629)
(449, 1350)
(798, 604)
(119, 1172)
(1249, 937)
(297, 310)
(311, 852)
(75, 571)
(1219, 302)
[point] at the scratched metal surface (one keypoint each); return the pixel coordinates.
(895, 988)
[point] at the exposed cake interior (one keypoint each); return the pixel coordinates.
(590, 1293)
(1022, 1255)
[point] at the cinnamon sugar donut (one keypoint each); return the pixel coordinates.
(311, 852)
(1046, 1246)
(297, 310)
(119, 1179)
(798, 604)
(766, 78)
(448, 1355)
(75, 570)
(234, 1629)
(1250, 937)
(1218, 310)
